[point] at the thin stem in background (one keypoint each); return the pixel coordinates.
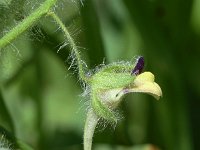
(73, 46)
(26, 23)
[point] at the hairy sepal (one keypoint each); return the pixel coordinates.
(102, 110)
(106, 87)
(116, 75)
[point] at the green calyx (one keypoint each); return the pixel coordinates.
(116, 75)
(106, 86)
(102, 110)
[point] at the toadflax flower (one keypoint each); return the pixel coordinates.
(108, 87)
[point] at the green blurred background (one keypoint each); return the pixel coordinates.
(40, 99)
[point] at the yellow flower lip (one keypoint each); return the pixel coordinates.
(144, 83)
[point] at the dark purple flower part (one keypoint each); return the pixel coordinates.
(139, 66)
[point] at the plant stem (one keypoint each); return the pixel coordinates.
(90, 125)
(26, 23)
(73, 46)
(92, 118)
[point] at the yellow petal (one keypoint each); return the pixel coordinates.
(143, 78)
(144, 83)
(149, 88)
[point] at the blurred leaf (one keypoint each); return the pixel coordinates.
(5, 2)
(120, 36)
(5, 118)
(195, 18)
(162, 48)
(92, 33)
(23, 146)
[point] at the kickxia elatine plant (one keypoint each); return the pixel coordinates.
(106, 86)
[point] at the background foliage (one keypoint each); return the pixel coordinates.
(40, 100)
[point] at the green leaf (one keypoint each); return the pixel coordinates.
(92, 33)
(5, 118)
(24, 146)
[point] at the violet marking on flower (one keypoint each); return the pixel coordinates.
(139, 66)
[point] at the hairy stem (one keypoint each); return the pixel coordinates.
(73, 46)
(90, 125)
(26, 23)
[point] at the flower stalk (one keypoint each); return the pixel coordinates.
(90, 125)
